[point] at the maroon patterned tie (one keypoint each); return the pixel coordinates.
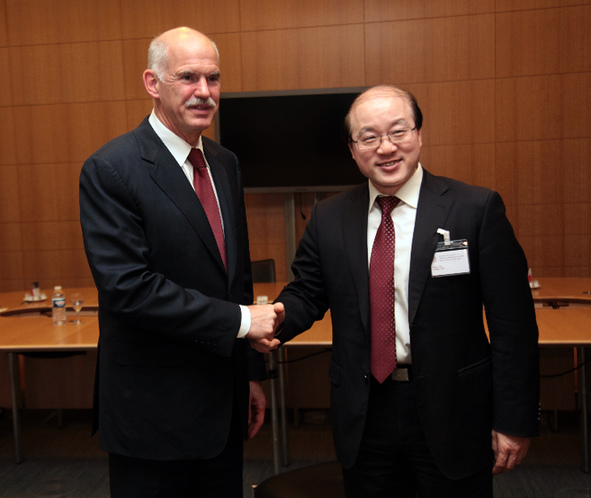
(204, 190)
(381, 294)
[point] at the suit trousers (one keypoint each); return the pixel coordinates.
(394, 459)
(217, 477)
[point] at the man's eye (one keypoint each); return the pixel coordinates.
(369, 139)
(398, 133)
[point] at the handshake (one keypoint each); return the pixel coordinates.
(265, 320)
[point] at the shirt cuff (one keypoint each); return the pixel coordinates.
(244, 322)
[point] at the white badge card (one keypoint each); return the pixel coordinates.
(451, 258)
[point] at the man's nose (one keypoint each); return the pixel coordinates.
(201, 87)
(386, 146)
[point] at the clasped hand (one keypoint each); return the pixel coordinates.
(265, 319)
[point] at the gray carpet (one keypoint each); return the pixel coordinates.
(68, 462)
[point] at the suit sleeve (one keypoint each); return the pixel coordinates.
(118, 245)
(511, 322)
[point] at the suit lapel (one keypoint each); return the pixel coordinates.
(354, 222)
(167, 174)
(432, 212)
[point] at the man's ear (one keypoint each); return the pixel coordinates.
(151, 83)
(350, 144)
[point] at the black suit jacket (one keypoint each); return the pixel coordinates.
(170, 367)
(465, 386)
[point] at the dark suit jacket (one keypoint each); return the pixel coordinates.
(169, 359)
(464, 385)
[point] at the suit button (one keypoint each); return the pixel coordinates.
(365, 377)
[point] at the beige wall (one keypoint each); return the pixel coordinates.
(503, 84)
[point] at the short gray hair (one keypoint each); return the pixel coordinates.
(158, 55)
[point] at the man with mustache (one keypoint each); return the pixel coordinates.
(163, 219)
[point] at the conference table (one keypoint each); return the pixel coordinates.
(26, 327)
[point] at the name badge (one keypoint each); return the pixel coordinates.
(451, 257)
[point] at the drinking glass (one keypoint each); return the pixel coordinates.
(77, 301)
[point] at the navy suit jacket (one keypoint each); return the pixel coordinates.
(170, 368)
(465, 386)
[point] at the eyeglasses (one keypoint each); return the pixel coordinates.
(371, 141)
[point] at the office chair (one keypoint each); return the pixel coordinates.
(263, 271)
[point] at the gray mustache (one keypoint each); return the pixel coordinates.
(199, 101)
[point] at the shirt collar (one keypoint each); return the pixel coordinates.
(408, 193)
(175, 144)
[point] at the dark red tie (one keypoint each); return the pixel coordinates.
(381, 294)
(204, 190)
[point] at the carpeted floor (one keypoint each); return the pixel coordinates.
(68, 462)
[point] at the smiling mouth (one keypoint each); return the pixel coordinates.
(390, 164)
(201, 107)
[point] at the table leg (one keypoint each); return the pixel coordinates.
(273, 374)
(584, 410)
(282, 395)
(15, 398)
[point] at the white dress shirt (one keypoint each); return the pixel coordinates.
(403, 216)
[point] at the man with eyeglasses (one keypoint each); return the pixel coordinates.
(422, 403)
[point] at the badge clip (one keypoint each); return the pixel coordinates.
(445, 233)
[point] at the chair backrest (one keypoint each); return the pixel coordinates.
(263, 271)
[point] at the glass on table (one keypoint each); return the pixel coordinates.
(77, 301)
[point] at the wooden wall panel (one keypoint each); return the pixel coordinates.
(577, 260)
(66, 132)
(80, 72)
(528, 172)
(9, 195)
(430, 50)
(3, 24)
(37, 22)
(230, 48)
(6, 94)
(457, 112)
(148, 18)
(503, 86)
(260, 15)
(11, 270)
(266, 229)
(135, 62)
(11, 239)
(526, 42)
(577, 216)
(55, 267)
(7, 132)
(136, 111)
(505, 5)
(575, 170)
(543, 107)
(398, 10)
(303, 58)
(42, 188)
(473, 164)
(52, 235)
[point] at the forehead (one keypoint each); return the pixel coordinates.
(383, 108)
(193, 53)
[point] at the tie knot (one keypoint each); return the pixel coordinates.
(387, 204)
(196, 158)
